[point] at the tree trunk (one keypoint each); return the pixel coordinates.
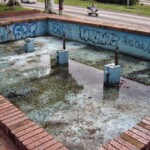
(50, 6)
(61, 7)
(13, 3)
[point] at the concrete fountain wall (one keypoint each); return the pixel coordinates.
(22, 30)
(97, 35)
(129, 42)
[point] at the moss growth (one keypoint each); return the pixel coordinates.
(142, 76)
(42, 92)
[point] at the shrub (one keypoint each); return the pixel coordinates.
(122, 2)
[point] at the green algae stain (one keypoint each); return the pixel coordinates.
(38, 93)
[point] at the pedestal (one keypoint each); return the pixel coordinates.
(29, 45)
(62, 57)
(111, 74)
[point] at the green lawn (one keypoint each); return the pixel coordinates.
(136, 9)
(4, 8)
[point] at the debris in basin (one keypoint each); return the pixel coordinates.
(71, 102)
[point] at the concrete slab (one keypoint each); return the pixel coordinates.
(72, 103)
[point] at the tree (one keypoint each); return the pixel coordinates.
(49, 6)
(12, 3)
(61, 7)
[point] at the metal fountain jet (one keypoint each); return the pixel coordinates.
(64, 42)
(116, 55)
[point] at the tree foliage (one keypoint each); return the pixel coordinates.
(122, 2)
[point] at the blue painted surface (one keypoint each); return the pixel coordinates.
(4, 33)
(29, 45)
(62, 57)
(111, 74)
(129, 43)
(132, 44)
(23, 30)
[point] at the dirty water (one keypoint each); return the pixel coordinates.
(71, 102)
(91, 56)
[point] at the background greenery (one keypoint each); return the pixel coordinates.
(122, 2)
(135, 9)
(4, 8)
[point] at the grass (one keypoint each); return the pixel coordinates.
(136, 9)
(4, 8)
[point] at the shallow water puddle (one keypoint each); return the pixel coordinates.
(132, 68)
(71, 102)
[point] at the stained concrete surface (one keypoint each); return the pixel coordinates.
(71, 102)
(92, 56)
